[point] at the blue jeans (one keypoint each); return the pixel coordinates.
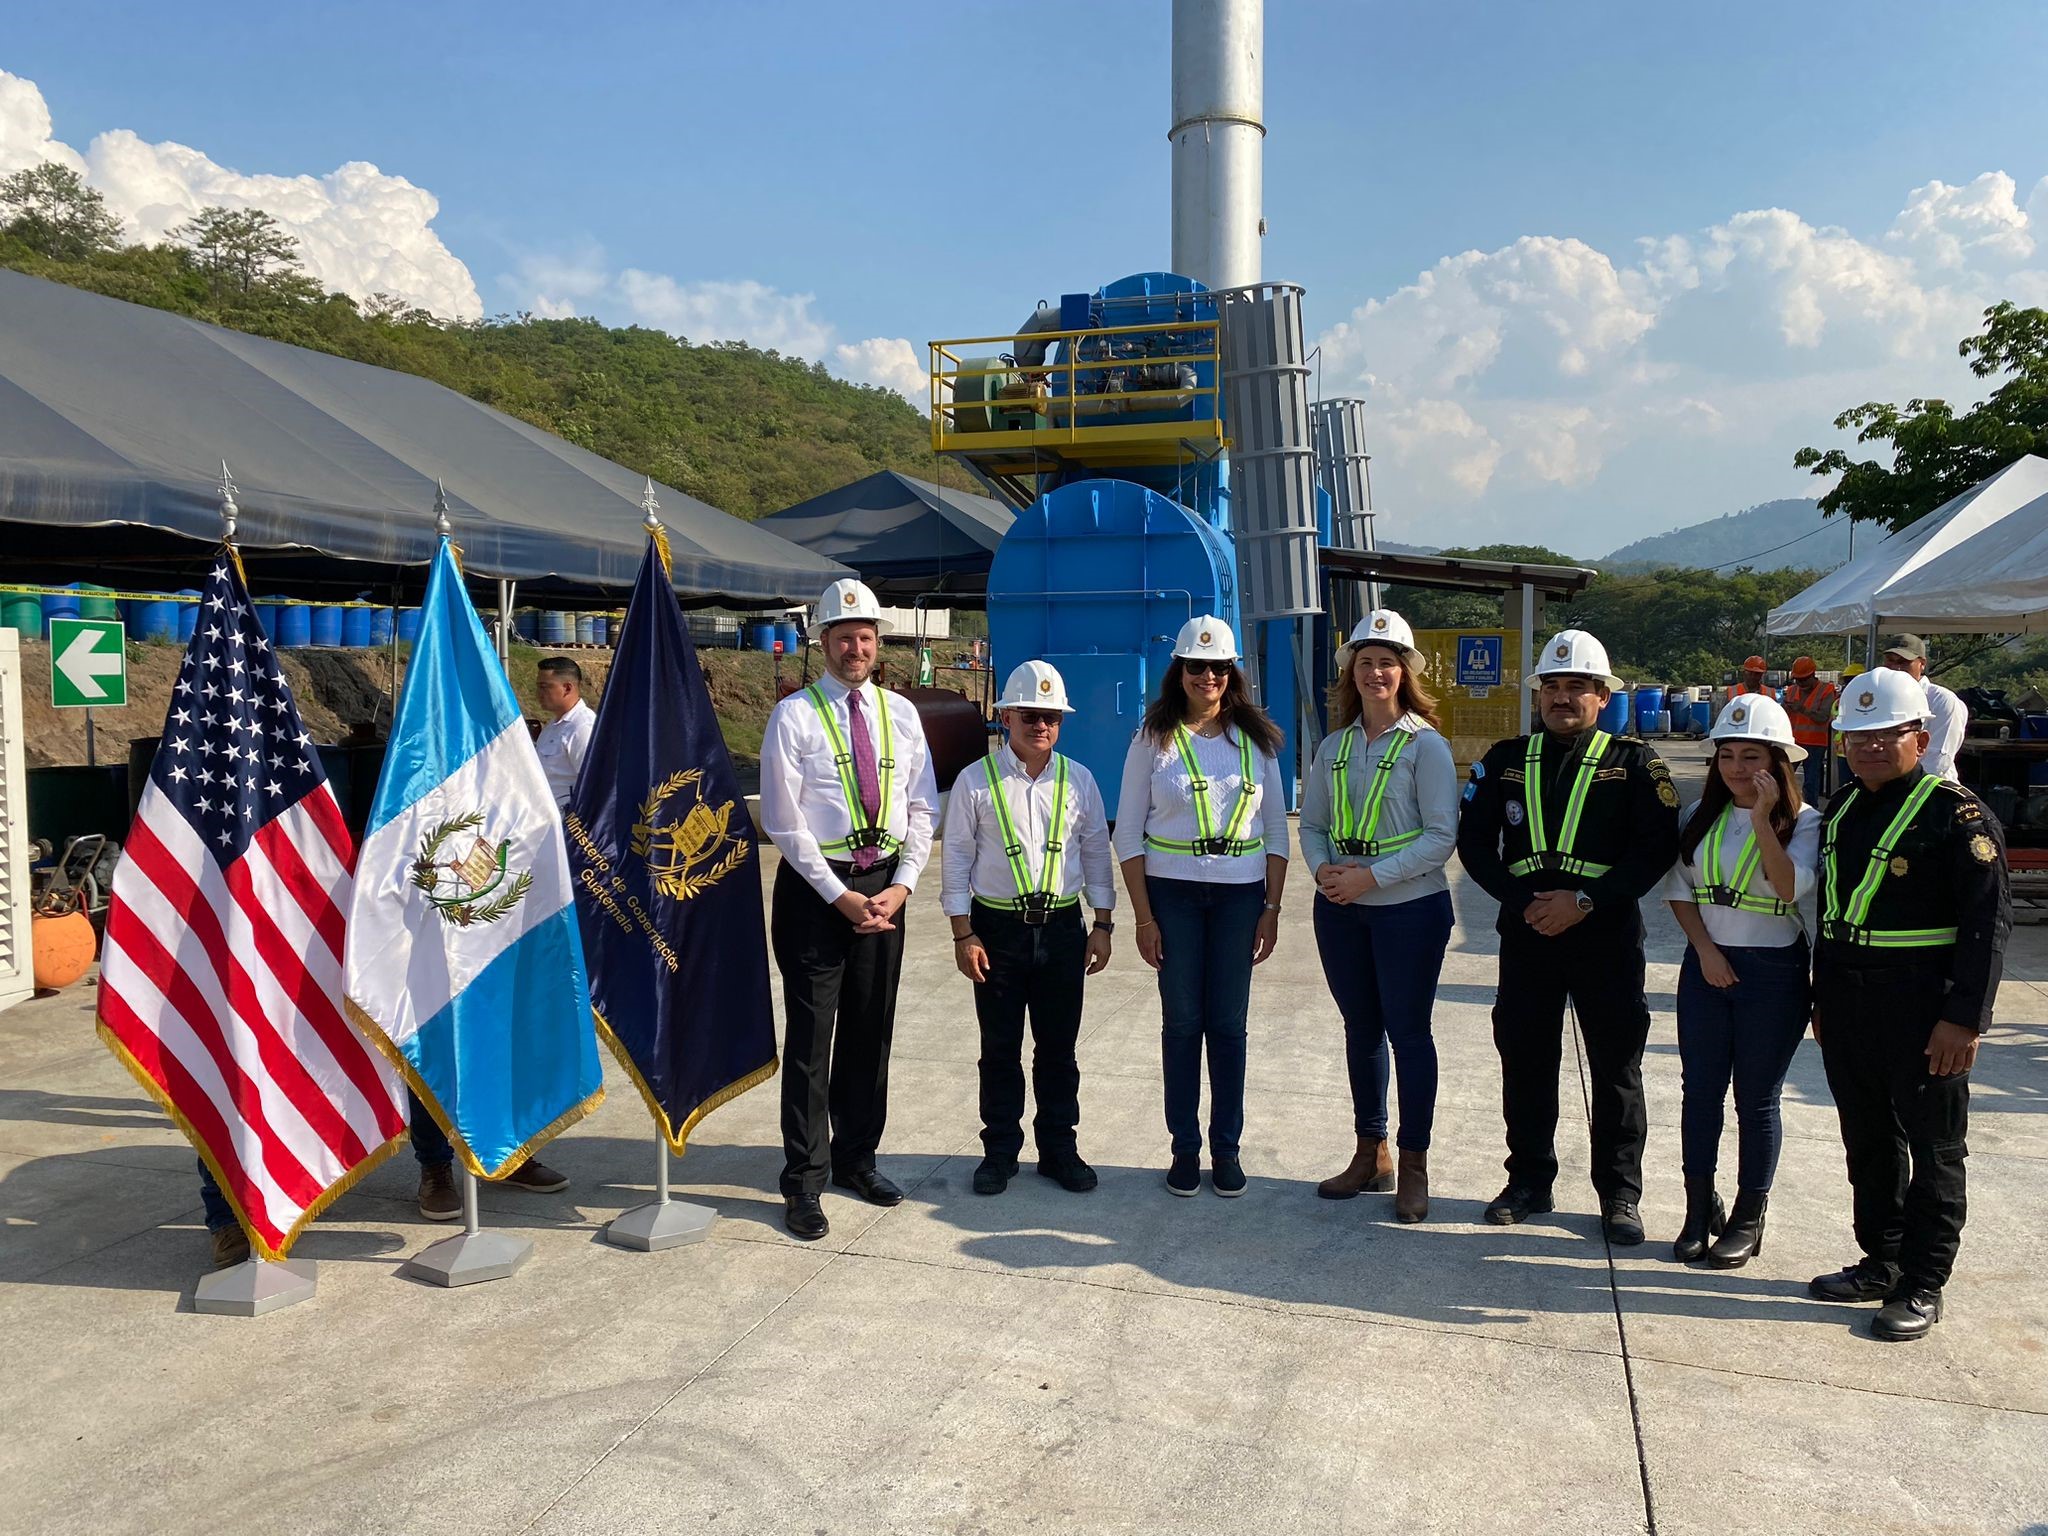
(1746, 1034)
(429, 1145)
(1382, 964)
(1205, 988)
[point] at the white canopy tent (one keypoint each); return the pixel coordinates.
(1978, 562)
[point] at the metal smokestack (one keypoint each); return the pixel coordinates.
(1218, 136)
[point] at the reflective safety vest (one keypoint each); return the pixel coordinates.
(1353, 827)
(1034, 898)
(1848, 922)
(1542, 856)
(867, 832)
(1716, 891)
(1812, 711)
(1231, 839)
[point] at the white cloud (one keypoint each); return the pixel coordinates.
(359, 230)
(889, 361)
(1608, 396)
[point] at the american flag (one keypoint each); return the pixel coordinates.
(221, 974)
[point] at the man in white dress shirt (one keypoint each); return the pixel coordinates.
(566, 737)
(847, 794)
(1026, 841)
(1948, 717)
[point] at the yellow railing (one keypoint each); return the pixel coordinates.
(1033, 415)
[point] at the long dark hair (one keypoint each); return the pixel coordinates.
(1718, 796)
(1170, 708)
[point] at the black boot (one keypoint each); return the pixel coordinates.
(1744, 1237)
(1704, 1218)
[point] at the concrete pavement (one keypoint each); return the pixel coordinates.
(1121, 1361)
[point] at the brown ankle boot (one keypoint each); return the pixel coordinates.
(1371, 1170)
(1411, 1197)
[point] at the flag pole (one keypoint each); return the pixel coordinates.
(663, 1222)
(256, 1285)
(472, 1254)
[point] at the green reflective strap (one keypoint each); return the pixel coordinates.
(1831, 906)
(1048, 882)
(1198, 786)
(1574, 811)
(1848, 923)
(1247, 786)
(1889, 938)
(1582, 784)
(1342, 822)
(1532, 795)
(1006, 826)
(1354, 824)
(849, 781)
(1748, 861)
(1205, 812)
(1857, 913)
(1237, 849)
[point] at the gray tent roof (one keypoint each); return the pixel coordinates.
(904, 535)
(113, 414)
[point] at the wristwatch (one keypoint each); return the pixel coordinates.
(1585, 902)
(1102, 927)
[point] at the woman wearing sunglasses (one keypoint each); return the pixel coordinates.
(1201, 832)
(1746, 857)
(1379, 817)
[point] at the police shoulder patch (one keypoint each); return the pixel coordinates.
(1667, 794)
(1982, 849)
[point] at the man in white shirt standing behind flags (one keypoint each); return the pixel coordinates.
(1026, 840)
(558, 688)
(848, 796)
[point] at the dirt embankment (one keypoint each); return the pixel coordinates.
(344, 693)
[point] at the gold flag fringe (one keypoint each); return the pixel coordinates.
(661, 548)
(678, 1139)
(312, 1213)
(376, 1036)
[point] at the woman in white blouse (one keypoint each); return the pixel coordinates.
(1201, 832)
(1379, 816)
(1747, 854)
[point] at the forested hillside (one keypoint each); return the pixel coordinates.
(1789, 535)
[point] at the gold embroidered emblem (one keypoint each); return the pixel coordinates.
(1899, 865)
(686, 857)
(1380, 622)
(1563, 650)
(458, 888)
(1983, 850)
(1205, 637)
(1738, 714)
(1667, 794)
(1045, 685)
(845, 595)
(1865, 699)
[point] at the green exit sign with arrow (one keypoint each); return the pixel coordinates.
(88, 663)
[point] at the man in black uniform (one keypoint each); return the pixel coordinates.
(1567, 830)
(1914, 913)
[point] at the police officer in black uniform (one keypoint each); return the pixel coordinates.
(1914, 913)
(1567, 830)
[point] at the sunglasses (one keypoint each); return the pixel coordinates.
(1217, 668)
(1886, 738)
(1036, 716)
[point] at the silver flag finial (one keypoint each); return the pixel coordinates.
(650, 506)
(228, 510)
(442, 525)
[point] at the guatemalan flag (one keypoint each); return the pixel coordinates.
(464, 962)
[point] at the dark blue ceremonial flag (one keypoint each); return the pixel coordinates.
(667, 868)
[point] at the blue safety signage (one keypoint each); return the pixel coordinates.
(1479, 661)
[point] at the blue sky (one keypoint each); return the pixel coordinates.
(1828, 205)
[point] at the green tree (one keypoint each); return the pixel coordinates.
(239, 249)
(1937, 454)
(1444, 608)
(51, 210)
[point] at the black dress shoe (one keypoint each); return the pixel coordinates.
(992, 1175)
(1622, 1222)
(1866, 1280)
(870, 1186)
(805, 1217)
(1908, 1315)
(1517, 1203)
(1743, 1239)
(1069, 1172)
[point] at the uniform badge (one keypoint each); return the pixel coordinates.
(1865, 699)
(1738, 714)
(1899, 865)
(1380, 622)
(1205, 637)
(1983, 850)
(1667, 794)
(846, 595)
(1045, 685)
(1514, 813)
(1561, 652)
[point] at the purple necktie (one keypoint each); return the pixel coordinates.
(864, 775)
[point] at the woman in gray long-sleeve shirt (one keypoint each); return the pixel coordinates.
(1379, 818)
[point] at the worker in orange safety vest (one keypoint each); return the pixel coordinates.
(1810, 701)
(1752, 679)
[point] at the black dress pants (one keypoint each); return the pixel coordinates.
(1037, 971)
(1903, 1128)
(1601, 973)
(839, 1003)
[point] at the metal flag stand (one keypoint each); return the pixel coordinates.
(662, 1223)
(256, 1285)
(471, 1254)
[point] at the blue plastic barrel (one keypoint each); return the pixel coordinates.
(526, 624)
(266, 615)
(188, 613)
(408, 624)
(59, 605)
(583, 634)
(791, 637)
(154, 618)
(1649, 704)
(1702, 716)
(557, 627)
(380, 626)
(760, 636)
(326, 624)
(294, 625)
(601, 629)
(1614, 714)
(355, 627)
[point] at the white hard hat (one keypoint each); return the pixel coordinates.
(1035, 685)
(1573, 653)
(1205, 638)
(1757, 717)
(1880, 700)
(1385, 627)
(848, 600)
